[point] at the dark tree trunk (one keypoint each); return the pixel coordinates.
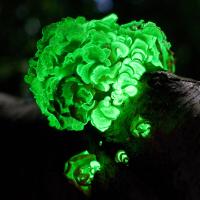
(168, 166)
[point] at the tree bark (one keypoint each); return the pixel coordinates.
(167, 166)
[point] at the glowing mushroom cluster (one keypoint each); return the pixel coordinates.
(84, 71)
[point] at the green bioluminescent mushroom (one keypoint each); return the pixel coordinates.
(80, 170)
(121, 157)
(84, 71)
(90, 71)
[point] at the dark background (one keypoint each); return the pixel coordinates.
(21, 23)
(35, 152)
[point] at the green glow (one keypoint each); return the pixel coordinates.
(121, 157)
(84, 71)
(80, 170)
(140, 127)
(100, 143)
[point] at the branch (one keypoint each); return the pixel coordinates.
(169, 164)
(15, 110)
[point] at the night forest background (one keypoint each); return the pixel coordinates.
(34, 153)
